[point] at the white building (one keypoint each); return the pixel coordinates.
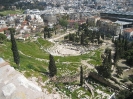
(128, 33)
(2, 24)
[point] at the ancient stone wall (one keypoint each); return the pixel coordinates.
(103, 80)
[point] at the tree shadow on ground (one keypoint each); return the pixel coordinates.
(38, 69)
(131, 78)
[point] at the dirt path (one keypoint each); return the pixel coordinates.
(107, 44)
(61, 36)
(91, 88)
(85, 63)
(39, 59)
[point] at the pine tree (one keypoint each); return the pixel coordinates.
(14, 49)
(52, 66)
(81, 76)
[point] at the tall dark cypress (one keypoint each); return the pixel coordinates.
(106, 68)
(49, 35)
(109, 56)
(82, 39)
(119, 37)
(116, 55)
(44, 35)
(52, 66)
(79, 28)
(98, 37)
(126, 45)
(81, 76)
(14, 48)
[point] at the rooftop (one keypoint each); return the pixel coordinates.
(128, 30)
(123, 22)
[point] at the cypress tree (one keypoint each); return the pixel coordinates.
(49, 34)
(52, 66)
(116, 55)
(55, 29)
(119, 70)
(44, 35)
(113, 39)
(69, 37)
(87, 22)
(92, 37)
(79, 28)
(82, 39)
(123, 39)
(119, 38)
(106, 68)
(125, 45)
(109, 56)
(14, 49)
(81, 76)
(98, 37)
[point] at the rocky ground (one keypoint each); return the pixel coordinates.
(67, 49)
(13, 85)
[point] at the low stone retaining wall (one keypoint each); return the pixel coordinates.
(103, 80)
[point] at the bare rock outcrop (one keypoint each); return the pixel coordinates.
(13, 85)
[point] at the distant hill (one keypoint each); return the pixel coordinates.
(7, 2)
